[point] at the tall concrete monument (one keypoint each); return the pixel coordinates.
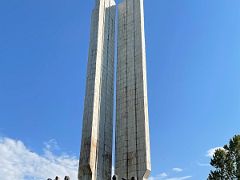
(96, 147)
(132, 127)
(132, 143)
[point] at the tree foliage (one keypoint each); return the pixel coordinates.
(226, 161)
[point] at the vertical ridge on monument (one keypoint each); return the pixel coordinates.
(132, 125)
(96, 147)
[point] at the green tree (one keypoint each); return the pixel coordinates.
(226, 161)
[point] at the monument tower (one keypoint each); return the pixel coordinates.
(132, 127)
(96, 148)
(132, 143)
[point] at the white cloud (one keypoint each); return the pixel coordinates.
(169, 178)
(211, 151)
(177, 169)
(19, 162)
(203, 164)
(179, 178)
(158, 177)
(51, 145)
(163, 175)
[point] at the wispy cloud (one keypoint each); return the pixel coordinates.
(19, 162)
(160, 176)
(165, 176)
(177, 169)
(179, 178)
(203, 164)
(211, 151)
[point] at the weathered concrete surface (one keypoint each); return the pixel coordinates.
(132, 126)
(96, 147)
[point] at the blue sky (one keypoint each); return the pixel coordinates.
(193, 58)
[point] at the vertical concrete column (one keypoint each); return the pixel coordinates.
(132, 126)
(96, 148)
